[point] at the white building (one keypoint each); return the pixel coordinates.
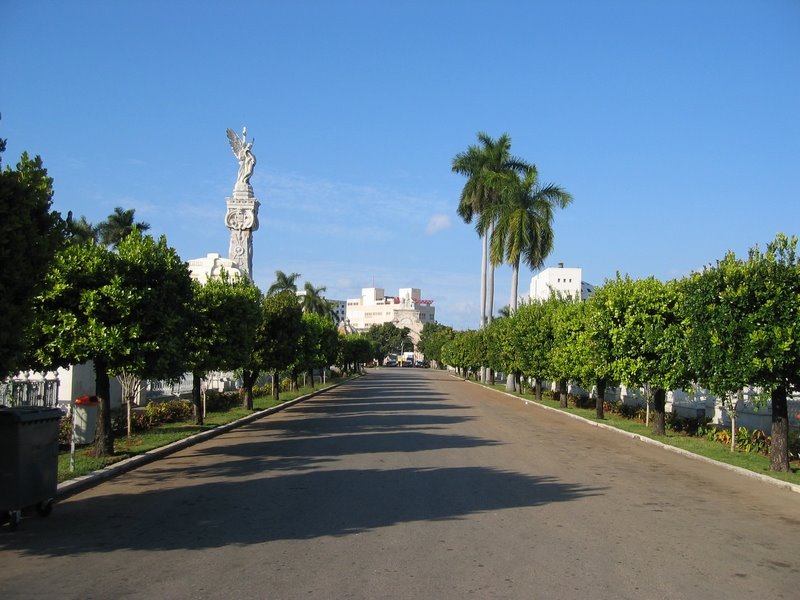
(563, 281)
(211, 266)
(407, 309)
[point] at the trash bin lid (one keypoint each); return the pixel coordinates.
(12, 415)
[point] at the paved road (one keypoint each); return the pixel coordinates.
(411, 484)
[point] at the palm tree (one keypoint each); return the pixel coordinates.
(523, 226)
(484, 164)
(313, 301)
(119, 225)
(283, 283)
(80, 231)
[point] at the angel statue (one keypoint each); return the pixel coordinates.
(242, 150)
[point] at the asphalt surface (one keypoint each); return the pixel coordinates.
(412, 484)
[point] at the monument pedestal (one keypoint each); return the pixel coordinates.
(242, 219)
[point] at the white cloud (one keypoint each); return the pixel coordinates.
(437, 223)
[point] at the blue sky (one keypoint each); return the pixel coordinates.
(674, 124)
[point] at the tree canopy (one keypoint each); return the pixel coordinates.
(388, 338)
(743, 323)
(30, 236)
(276, 343)
(125, 311)
(225, 314)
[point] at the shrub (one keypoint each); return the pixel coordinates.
(262, 390)
(755, 441)
(170, 411)
(723, 436)
(693, 426)
(119, 422)
(65, 431)
(629, 411)
(221, 401)
(746, 441)
(794, 444)
(582, 401)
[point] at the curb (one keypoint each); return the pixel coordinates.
(79, 484)
(792, 487)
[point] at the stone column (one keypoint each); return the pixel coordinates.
(242, 220)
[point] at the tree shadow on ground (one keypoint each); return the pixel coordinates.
(281, 506)
(285, 479)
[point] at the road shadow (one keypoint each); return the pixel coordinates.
(281, 506)
(285, 479)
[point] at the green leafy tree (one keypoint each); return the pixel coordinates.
(225, 314)
(30, 236)
(504, 351)
(283, 283)
(591, 348)
(276, 342)
(432, 339)
(533, 323)
(318, 345)
(327, 346)
(125, 311)
(743, 319)
(354, 351)
(117, 226)
(649, 343)
(484, 165)
(388, 338)
(467, 351)
(565, 317)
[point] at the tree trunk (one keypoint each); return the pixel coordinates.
(276, 386)
(484, 262)
(197, 400)
(489, 280)
(311, 377)
(104, 440)
(248, 381)
(511, 380)
(779, 445)
(562, 393)
(601, 397)
(295, 381)
(511, 383)
(129, 416)
(537, 387)
(659, 402)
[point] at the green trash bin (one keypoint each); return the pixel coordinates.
(28, 459)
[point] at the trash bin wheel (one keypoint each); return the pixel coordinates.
(45, 507)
